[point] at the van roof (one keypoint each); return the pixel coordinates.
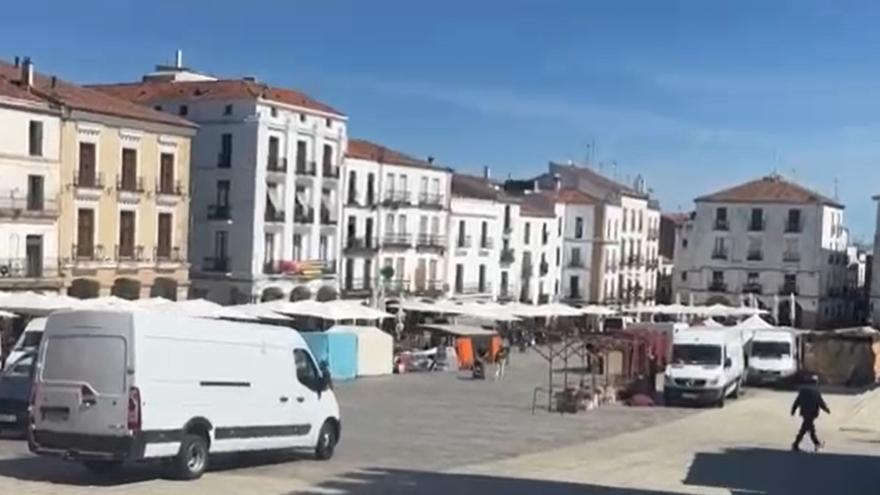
(703, 335)
(774, 335)
(160, 323)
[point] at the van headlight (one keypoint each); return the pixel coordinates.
(714, 381)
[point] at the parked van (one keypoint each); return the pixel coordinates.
(28, 341)
(774, 356)
(707, 366)
(114, 386)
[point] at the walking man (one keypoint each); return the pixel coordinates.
(809, 401)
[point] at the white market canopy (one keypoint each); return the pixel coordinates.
(754, 323)
(201, 308)
(331, 310)
(461, 330)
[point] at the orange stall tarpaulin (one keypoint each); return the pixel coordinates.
(464, 347)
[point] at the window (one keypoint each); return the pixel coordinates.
(484, 235)
(389, 224)
(574, 287)
(559, 227)
(163, 243)
(641, 225)
(183, 110)
(579, 228)
(791, 252)
(558, 256)
(327, 161)
(157, 108)
(35, 193)
(623, 223)
(227, 110)
(223, 193)
(128, 180)
(752, 278)
(717, 277)
(225, 159)
(328, 123)
(481, 281)
(402, 183)
(389, 183)
(684, 243)
(545, 233)
(684, 276)
(720, 218)
(793, 224)
(301, 157)
(790, 283)
(576, 256)
(756, 223)
(424, 186)
(306, 372)
(719, 251)
(459, 278)
(85, 233)
(35, 138)
(87, 168)
(462, 234)
(368, 273)
(528, 232)
(126, 234)
(352, 189)
(273, 112)
(274, 147)
(166, 173)
(401, 224)
(755, 253)
(371, 189)
(302, 117)
(423, 225)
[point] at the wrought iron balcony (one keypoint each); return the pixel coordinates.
(395, 198)
(752, 288)
(330, 172)
(303, 215)
(431, 200)
(306, 168)
(402, 241)
(507, 256)
(276, 164)
(715, 286)
(431, 241)
(219, 212)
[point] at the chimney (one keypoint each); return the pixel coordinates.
(54, 82)
(17, 61)
(486, 172)
(431, 160)
(27, 73)
(535, 186)
(178, 59)
(557, 182)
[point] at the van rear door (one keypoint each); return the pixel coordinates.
(82, 384)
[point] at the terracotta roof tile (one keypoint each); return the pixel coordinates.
(89, 100)
(148, 92)
(677, 218)
(572, 196)
(770, 189)
(11, 89)
(597, 178)
(366, 150)
(477, 187)
(537, 205)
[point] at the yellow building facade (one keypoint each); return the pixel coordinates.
(124, 207)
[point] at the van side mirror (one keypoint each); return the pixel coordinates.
(728, 363)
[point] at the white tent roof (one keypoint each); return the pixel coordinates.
(347, 310)
(710, 323)
(34, 303)
(107, 302)
(754, 323)
(200, 308)
(595, 309)
(461, 330)
(259, 310)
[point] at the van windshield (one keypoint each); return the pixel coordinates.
(98, 361)
(31, 339)
(696, 354)
(771, 349)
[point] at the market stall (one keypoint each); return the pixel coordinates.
(375, 349)
(339, 350)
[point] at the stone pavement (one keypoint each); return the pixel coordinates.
(439, 434)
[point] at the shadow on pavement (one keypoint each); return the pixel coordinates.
(57, 471)
(768, 471)
(390, 481)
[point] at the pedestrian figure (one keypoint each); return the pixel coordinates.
(809, 401)
(501, 362)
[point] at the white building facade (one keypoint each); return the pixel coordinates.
(625, 240)
(266, 184)
(396, 214)
(771, 241)
(29, 206)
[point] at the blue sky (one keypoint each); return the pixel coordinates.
(694, 95)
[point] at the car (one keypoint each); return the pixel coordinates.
(112, 387)
(15, 390)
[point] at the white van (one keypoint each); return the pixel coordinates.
(114, 386)
(707, 366)
(29, 340)
(774, 356)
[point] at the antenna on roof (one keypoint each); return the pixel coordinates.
(836, 198)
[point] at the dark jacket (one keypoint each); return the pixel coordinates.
(809, 401)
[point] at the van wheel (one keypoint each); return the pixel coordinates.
(720, 403)
(737, 390)
(102, 468)
(192, 459)
(327, 439)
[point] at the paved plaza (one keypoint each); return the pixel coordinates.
(444, 433)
